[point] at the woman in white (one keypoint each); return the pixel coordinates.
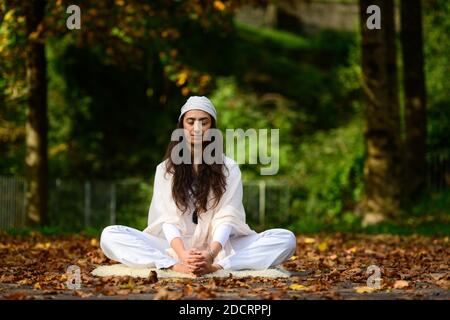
(196, 220)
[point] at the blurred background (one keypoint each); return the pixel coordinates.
(86, 114)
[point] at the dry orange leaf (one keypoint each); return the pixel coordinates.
(309, 240)
(400, 284)
(364, 289)
(297, 286)
(351, 250)
(322, 246)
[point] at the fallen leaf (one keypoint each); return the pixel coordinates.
(41, 261)
(123, 292)
(322, 246)
(164, 294)
(82, 294)
(297, 286)
(400, 284)
(437, 276)
(364, 289)
(44, 246)
(351, 250)
(445, 284)
(188, 290)
(25, 282)
(152, 277)
(309, 240)
(16, 296)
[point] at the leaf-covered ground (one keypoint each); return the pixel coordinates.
(324, 267)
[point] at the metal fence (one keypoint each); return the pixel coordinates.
(12, 202)
(81, 204)
(75, 205)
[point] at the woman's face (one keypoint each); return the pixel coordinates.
(195, 124)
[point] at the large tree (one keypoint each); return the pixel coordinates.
(382, 168)
(128, 34)
(415, 104)
(37, 124)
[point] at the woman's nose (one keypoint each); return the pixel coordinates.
(197, 127)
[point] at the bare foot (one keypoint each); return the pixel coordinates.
(209, 269)
(178, 267)
(215, 267)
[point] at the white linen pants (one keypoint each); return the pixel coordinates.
(139, 249)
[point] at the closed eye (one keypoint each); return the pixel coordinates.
(204, 121)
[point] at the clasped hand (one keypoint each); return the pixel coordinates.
(197, 261)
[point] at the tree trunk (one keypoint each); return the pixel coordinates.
(415, 105)
(382, 167)
(37, 124)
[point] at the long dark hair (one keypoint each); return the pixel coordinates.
(209, 177)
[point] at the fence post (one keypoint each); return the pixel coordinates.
(87, 203)
(54, 212)
(9, 212)
(22, 203)
(25, 200)
(112, 203)
(262, 202)
(2, 204)
(288, 202)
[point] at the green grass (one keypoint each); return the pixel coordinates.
(273, 38)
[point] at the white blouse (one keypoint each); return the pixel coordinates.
(221, 234)
(229, 211)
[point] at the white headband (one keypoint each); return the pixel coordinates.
(198, 103)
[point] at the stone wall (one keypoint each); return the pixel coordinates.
(305, 15)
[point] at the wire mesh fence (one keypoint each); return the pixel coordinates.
(75, 205)
(12, 202)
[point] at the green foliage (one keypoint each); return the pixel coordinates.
(243, 110)
(428, 216)
(432, 203)
(114, 97)
(133, 202)
(304, 71)
(437, 65)
(60, 125)
(12, 89)
(329, 177)
(320, 154)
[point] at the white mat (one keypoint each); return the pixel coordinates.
(123, 270)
